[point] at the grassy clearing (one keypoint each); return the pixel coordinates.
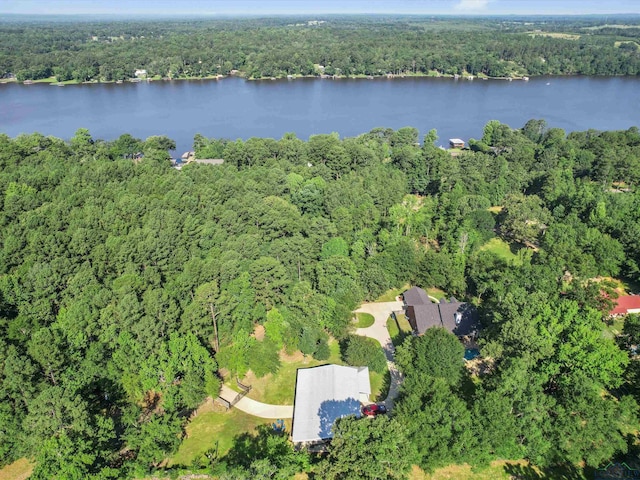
(364, 320)
(279, 389)
(211, 427)
(436, 293)
(566, 36)
(501, 249)
(617, 44)
(500, 470)
(399, 329)
(391, 294)
(613, 327)
(18, 470)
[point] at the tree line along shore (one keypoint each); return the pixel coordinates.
(347, 47)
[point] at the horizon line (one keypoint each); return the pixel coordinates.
(281, 14)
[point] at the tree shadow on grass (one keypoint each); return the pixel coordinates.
(518, 471)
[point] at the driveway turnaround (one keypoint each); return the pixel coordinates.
(257, 409)
(381, 312)
(378, 331)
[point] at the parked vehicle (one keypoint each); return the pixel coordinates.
(373, 410)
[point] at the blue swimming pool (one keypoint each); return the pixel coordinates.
(471, 353)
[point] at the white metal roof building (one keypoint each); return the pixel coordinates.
(324, 394)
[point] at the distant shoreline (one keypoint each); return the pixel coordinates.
(53, 81)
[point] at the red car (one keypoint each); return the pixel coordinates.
(373, 410)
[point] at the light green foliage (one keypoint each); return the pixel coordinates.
(275, 326)
(335, 247)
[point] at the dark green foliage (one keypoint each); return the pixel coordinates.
(348, 46)
(267, 454)
(124, 285)
(437, 353)
(369, 449)
(363, 352)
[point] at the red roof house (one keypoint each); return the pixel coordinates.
(626, 304)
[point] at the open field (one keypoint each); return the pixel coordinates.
(18, 470)
(566, 36)
(501, 470)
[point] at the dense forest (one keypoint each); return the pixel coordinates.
(344, 46)
(125, 286)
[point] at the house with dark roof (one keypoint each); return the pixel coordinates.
(459, 318)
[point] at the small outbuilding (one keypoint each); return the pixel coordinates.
(456, 143)
(323, 395)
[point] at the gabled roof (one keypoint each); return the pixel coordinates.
(324, 394)
(416, 296)
(423, 317)
(626, 304)
(460, 318)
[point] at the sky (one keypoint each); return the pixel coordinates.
(268, 7)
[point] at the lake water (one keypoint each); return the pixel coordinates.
(235, 108)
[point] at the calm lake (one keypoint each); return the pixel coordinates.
(235, 108)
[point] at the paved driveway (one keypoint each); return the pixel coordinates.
(378, 331)
(253, 407)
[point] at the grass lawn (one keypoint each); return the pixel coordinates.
(211, 426)
(18, 470)
(391, 294)
(501, 249)
(279, 389)
(613, 328)
(399, 329)
(436, 293)
(379, 385)
(364, 320)
(500, 470)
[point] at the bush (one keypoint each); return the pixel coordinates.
(360, 351)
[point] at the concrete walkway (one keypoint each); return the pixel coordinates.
(257, 409)
(378, 331)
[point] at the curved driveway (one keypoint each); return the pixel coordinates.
(253, 407)
(378, 331)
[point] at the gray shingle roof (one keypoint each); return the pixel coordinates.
(416, 296)
(460, 318)
(422, 317)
